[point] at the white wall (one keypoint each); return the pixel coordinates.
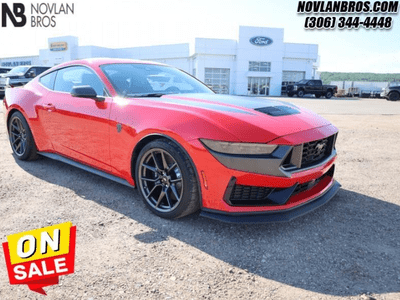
(247, 52)
(207, 53)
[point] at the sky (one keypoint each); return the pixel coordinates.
(121, 23)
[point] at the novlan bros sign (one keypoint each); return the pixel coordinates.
(58, 46)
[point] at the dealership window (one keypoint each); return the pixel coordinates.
(259, 66)
(217, 79)
(258, 86)
(194, 72)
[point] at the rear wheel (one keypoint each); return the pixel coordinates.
(300, 94)
(21, 138)
(394, 96)
(166, 179)
(328, 95)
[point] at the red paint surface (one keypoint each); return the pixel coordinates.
(86, 131)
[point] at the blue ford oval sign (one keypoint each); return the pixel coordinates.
(261, 41)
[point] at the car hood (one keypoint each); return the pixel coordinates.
(12, 75)
(247, 118)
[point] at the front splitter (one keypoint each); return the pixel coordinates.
(273, 216)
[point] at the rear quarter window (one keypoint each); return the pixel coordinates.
(48, 80)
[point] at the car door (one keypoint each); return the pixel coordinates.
(79, 127)
(318, 86)
(309, 88)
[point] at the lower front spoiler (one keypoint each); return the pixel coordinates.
(274, 216)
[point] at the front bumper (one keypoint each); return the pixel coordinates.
(274, 216)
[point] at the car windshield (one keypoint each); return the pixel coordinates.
(146, 80)
(395, 83)
(18, 70)
(303, 81)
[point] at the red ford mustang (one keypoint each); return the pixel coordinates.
(151, 126)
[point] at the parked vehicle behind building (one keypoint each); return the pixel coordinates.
(315, 87)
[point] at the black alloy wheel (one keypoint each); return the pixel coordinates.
(300, 94)
(166, 180)
(21, 139)
(394, 96)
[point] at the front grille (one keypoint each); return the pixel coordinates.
(307, 185)
(250, 195)
(316, 151)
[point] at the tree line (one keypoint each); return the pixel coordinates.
(327, 77)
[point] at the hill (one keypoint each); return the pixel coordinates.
(327, 77)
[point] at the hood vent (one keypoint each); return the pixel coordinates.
(277, 111)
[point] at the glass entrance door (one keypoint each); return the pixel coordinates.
(258, 86)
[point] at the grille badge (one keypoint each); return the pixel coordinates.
(320, 146)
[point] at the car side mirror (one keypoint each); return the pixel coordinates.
(85, 91)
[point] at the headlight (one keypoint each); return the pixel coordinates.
(295, 87)
(238, 148)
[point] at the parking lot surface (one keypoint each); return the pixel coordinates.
(348, 249)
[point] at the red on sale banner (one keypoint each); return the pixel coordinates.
(38, 257)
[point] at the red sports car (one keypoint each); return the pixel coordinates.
(237, 159)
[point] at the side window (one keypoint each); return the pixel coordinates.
(33, 69)
(48, 80)
(40, 70)
(69, 77)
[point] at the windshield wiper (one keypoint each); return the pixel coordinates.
(146, 95)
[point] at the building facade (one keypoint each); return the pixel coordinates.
(258, 63)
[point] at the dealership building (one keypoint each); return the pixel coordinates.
(258, 63)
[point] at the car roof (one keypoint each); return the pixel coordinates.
(106, 61)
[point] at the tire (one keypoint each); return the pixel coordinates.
(328, 95)
(394, 96)
(21, 138)
(317, 95)
(300, 94)
(169, 192)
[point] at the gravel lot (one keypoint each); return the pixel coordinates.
(348, 249)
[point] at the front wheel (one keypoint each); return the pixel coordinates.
(166, 179)
(300, 94)
(21, 138)
(328, 95)
(394, 96)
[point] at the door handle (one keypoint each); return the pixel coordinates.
(49, 107)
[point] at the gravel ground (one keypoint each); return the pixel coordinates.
(348, 249)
